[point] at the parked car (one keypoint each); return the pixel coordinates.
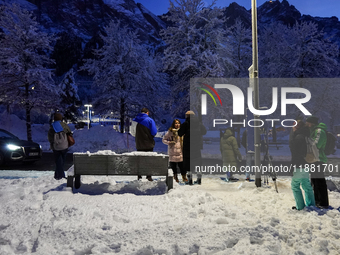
(13, 149)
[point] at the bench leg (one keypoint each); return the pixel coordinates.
(169, 182)
(77, 182)
(70, 181)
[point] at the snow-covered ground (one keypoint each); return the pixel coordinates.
(120, 215)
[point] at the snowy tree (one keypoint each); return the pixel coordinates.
(301, 51)
(24, 75)
(240, 43)
(191, 45)
(234, 49)
(69, 98)
(128, 75)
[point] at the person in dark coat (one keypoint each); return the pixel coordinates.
(318, 134)
(59, 155)
(291, 134)
(298, 148)
(145, 132)
(192, 130)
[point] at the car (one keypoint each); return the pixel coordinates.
(12, 149)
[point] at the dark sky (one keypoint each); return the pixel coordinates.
(321, 8)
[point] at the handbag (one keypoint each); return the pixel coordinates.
(70, 140)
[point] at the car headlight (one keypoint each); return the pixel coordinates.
(13, 147)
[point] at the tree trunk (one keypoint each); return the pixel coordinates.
(28, 122)
(28, 114)
(122, 115)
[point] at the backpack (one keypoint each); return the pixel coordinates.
(60, 141)
(330, 144)
(312, 154)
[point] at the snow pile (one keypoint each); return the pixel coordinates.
(110, 215)
(118, 214)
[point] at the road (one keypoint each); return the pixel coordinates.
(46, 163)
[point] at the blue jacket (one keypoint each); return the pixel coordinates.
(145, 120)
(145, 131)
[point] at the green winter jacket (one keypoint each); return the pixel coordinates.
(229, 149)
(318, 133)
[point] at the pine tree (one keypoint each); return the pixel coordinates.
(127, 75)
(69, 98)
(25, 76)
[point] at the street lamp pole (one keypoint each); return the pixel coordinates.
(88, 114)
(254, 82)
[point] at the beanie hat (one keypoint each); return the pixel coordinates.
(58, 116)
(189, 112)
(313, 120)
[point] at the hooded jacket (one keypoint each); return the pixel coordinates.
(145, 131)
(318, 133)
(229, 149)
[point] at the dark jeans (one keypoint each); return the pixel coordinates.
(59, 157)
(148, 176)
(174, 165)
(319, 186)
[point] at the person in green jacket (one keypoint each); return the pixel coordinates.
(230, 153)
(318, 134)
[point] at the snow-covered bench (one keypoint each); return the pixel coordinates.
(110, 163)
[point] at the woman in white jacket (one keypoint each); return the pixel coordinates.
(175, 149)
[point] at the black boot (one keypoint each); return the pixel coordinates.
(199, 181)
(190, 179)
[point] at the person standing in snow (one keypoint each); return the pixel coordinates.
(192, 148)
(298, 149)
(175, 148)
(145, 132)
(318, 134)
(291, 134)
(231, 155)
(59, 155)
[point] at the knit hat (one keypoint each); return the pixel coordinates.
(313, 120)
(58, 116)
(189, 113)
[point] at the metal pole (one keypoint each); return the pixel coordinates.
(254, 69)
(88, 114)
